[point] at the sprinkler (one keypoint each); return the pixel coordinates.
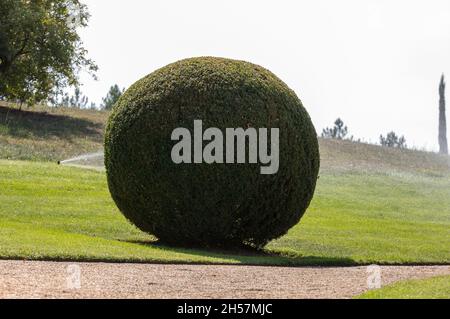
(87, 160)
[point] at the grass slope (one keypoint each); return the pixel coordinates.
(432, 288)
(49, 134)
(53, 212)
(372, 204)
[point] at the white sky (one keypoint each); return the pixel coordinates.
(375, 63)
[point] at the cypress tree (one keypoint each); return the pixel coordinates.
(443, 146)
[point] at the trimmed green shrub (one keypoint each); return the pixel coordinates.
(220, 205)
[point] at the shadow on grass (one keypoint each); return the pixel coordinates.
(21, 123)
(252, 256)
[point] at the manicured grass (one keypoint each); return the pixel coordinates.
(432, 288)
(63, 213)
(375, 218)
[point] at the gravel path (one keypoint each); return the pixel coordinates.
(35, 279)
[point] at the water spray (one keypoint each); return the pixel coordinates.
(91, 160)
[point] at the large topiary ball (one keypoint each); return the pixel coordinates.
(209, 203)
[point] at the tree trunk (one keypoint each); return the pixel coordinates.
(443, 146)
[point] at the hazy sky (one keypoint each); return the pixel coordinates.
(376, 64)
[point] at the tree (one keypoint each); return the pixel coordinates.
(443, 146)
(77, 100)
(40, 49)
(112, 97)
(339, 131)
(392, 140)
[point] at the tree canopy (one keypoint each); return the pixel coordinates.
(112, 97)
(443, 145)
(338, 131)
(392, 140)
(40, 49)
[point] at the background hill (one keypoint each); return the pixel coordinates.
(371, 205)
(54, 134)
(49, 134)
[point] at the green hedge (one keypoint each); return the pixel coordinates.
(221, 205)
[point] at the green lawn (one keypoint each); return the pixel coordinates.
(432, 288)
(63, 213)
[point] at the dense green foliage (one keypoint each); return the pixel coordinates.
(40, 49)
(218, 204)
